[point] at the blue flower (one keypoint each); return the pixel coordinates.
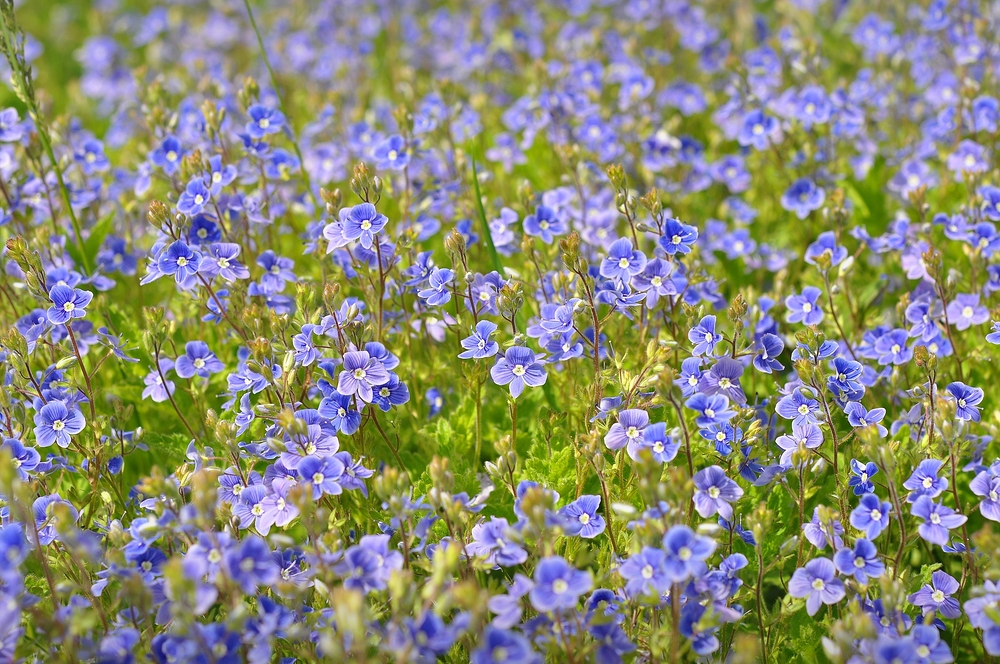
(924, 480)
(711, 409)
(966, 399)
(558, 585)
(622, 262)
(519, 367)
(714, 492)
(544, 223)
(437, 291)
(871, 516)
(802, 197)
(264, 121)
(645, 573)
(861, 477)
(768, 347)
(361, 373)
(861, 418)
(494, 540)
(57, 423)
(938, 520)
(392, 393)
(391, 154)
(323, 473)
(582, 514)
(686, 553)
(194, 198)
(704, 336)
(826, 243)
(677, 237)
(250, 564)
(197, 359)
(862, 562)
(805, 307)
(817, 582)
(892, 349)
(936, 596)
(362, 222)
(179, 260)
(501, 645)
(67, 303)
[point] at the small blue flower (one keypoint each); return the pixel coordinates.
(558, 585)
(818, 583)
(57, 423)
(714, 492)
(861, 477)
(871, 515)
(966, 399)
(67, 303)
(519, 367)
(582, 512)
(677, 237)
(802, 197)
(704, 336)
(805, 307)
(862, 562)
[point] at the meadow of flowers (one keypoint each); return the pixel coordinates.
(499, 331)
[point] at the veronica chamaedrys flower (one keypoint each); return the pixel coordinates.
(660, 444)
(805, 308)
(67, 303)
(629, 427)
(437, 291)
(264, 121)
(622, 262)
(686, 552)
(519, 367)
(966, 399)
(826, 243)
(502, 645)
(871, 516)
(545, 223)
(938, 520)
(936, 596)
(757, 130)
(194, 198)
(677, 237)
(861, 477)
(479, 345)
(558, 585)
(768, 347)
(197, 359)
(805, 437)
(819, 534)
(724, 378)
(645, 573)
(704, 337)
(845, 379)
(818, 583)
(965, 311)
(220, 259)
(582, 513)
(987, 486)
(714, 492)
(25, 458)
(711, 410)
(250, 564)
(862, 418)
(924, 480)
(391, 154)
(362, 222)
(180, 261)
(45, 531)
(323, 473)
(494, 540)
(57, 423)
(892, 349)
(360, 374)
(798, 408)
(802, 197)
(862, 562)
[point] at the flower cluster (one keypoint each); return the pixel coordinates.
(614, 331)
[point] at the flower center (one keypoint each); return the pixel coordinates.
(818, 584)
(937, 596)
(714, 492)
(359, 373)
(647, 572)
(559, 586)
(58, 425)
(68, 307)
(518, 370)
(585, 518)
(623, 263)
